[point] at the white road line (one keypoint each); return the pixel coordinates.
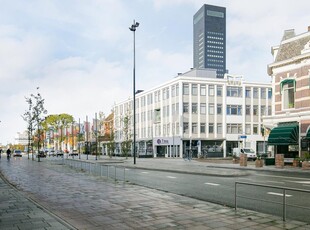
(213, 184)
(127, 169)
(298, 178)
(278, 194)
(145, 172)
(276, 182)
(171, 177)
(301, 182)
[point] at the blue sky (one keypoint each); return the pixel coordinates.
(80, 52)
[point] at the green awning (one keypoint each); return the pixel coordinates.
(287, 81)
(284, 135)
(308, 134)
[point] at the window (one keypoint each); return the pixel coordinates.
(194, 108)
(202, 108)
(211, 127)
(269, 93)
(202, 90)
(255, 129)
(149, 99)
(211, 90)
(255, 92)
(194, 89)
(248, 92)
(234, 109)
(219, 128)
(185, 107)
(211, 108)
(233, 91)
(269, 111)
(157, 115)
(173, 91)
(288, 91)
(177, 90)
(248, 129)
(219, 90)
(194, 127)
(202, 127)
(185, 89)
(255, 110)
(263, 110)
(177, 109)
(263, 93)
(247, 110)
(185, 127)
(234, 128)
(219, 109)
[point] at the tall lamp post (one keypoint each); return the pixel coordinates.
(133, 29)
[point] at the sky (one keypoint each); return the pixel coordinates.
(79, 54)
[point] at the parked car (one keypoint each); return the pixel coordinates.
(74, 153)
(17, 153)
(41, 154)
(51, 153)
(59, 154)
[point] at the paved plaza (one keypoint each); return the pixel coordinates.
(51, 195)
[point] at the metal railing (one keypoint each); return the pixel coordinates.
(98, 169)
(284, 202)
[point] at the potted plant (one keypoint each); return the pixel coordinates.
(259, 162)
(306, 162)
(296, 162)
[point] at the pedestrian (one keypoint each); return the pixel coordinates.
(8, 153)
(0, 153)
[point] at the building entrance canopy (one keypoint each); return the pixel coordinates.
(284, 135)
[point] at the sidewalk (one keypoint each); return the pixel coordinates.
(87, 202)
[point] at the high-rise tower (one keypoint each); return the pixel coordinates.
(210, 39)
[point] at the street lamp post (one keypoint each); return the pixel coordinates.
(133, 29)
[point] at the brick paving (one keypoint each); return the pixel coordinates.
(78, 200)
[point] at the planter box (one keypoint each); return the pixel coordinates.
(306, 165)
(259, 163)
(296, 163)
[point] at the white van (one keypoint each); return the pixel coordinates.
(251, 154)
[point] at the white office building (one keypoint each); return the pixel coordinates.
(198, 113)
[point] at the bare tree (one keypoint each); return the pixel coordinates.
(127, 141)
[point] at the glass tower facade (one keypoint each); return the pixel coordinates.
(210, 39)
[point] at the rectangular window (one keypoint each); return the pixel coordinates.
(255, 129)
(211, 90)
(185, 107)
(185, 89)
(219, 109)
(202, 127)
(234, 128)
(177, 90)
(211, 128)
(255, 92)
(202, 108)
(185, 127)
(248, 110)
(194, 89)
(269, 93)
(248, 129)
(263, 93)
(234, 109)
(219, 128)
(233, 91)
(255, 110)
(211, 108)
(263, 110)
(269, 111)
(288, 97)
(202, 90)
(219, 90)
(248, 92)
(173, 91)
(194, 128)
(194, 108)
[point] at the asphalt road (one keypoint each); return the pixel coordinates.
(222, 189)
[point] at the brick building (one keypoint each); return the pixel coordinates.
(290, 74)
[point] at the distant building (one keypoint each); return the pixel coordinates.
(21, 138)
(210, 39)
(199, 112)
(290, 72)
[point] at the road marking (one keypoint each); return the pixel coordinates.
(276, 182)
(301, 182)
(278, 194)
(145, 172)
(127, 169)
(171, 177)
(212, 184)
(299, 178)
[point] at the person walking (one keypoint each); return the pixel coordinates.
(0, 153)
(8, 153)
